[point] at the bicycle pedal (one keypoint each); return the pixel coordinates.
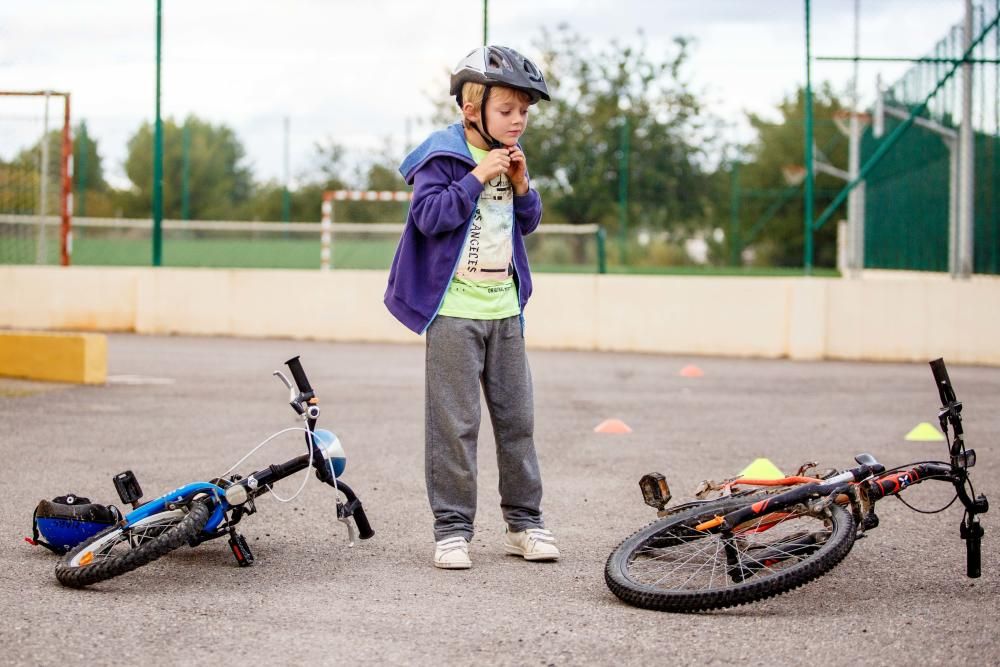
(241, 550)
(128, 488)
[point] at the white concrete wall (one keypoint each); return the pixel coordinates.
(881, 317)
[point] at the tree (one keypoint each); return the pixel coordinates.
(93, 194)
(619, 116)
(88, 166)
(576, 143)
(218, 180)
(772, 206)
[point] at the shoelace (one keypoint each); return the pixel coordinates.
(445, 547)
(539, 535)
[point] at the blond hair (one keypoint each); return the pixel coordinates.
(473, 93)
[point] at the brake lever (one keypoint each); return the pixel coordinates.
(345, 518)
(294, 398)
(285, 381)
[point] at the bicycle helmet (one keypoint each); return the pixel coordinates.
(497, 66)
(68, 520)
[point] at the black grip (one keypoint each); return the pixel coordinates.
(972, 532)
(973, 559)
(364, 528)
(301, 381)
(945, 390)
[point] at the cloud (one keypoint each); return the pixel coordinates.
(356, 72)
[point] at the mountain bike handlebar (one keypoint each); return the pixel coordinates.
(301, 381)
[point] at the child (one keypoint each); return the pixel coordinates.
(461, 275)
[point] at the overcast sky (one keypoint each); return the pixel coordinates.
(358, 72)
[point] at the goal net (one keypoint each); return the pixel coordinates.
(35, 177)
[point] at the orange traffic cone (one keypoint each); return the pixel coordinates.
(612, 426)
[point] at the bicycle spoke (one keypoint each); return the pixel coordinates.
(688, 560)
(114, 544)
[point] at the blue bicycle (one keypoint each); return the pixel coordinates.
(202, 511)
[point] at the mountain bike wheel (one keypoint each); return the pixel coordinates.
(119, 550)
(670, 566)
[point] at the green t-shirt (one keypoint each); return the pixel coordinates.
(483, 285)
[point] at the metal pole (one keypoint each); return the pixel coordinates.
(66, 200)
(286, 202)
(855, 214)
(953, 238)
(81, 172)
(186, 171)
(602, 255)
(966, 166)
(735, 249)
(326, 233)
(158, 151)
(486, 22)
(808, 260)
(623, 192)
(41, 254)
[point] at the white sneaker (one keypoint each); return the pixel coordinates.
(452, 553)
(532, 544)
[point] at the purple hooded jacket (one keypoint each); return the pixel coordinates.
(444, 198)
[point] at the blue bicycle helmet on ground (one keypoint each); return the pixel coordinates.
(64, 522)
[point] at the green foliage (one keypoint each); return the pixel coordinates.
(88, 167)
(95, 194)
(772, 210)
(219, 182)
(576, 143)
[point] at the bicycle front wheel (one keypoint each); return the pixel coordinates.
(671, 566)
(118, 550)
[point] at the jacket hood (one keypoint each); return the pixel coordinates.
(449, 141)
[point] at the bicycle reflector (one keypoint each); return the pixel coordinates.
(655, 491)
(966, 459)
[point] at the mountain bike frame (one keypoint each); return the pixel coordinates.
(860, 488)
(234, 498)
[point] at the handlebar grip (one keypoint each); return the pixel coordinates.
(972, 532)
(945, 389)
(301, 381)
(973, 557)
(365, 529)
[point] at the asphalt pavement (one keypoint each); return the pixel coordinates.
(179, 409)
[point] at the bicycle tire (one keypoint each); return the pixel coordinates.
(141, 543)
(679, 584)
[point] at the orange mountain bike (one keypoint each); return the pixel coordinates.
(779, 534)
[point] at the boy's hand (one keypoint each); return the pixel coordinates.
(518, 171)
(496, 162)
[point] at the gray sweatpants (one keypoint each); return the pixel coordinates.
(461, 354)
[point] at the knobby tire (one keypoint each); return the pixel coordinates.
(74, 575)
(694, 552)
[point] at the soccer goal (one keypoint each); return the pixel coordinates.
(347, 243)
(36, 178)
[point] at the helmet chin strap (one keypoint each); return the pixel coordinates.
(484, 133)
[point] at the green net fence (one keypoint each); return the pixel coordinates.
(908, 198)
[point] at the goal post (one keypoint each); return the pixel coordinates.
(327, 210)
(64, 184)
(551, 247)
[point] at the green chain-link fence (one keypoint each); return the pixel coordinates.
(907, 197)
